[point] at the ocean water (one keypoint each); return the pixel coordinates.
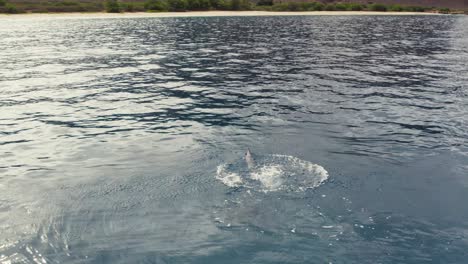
(124, 140)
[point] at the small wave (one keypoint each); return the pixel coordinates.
(273, 173)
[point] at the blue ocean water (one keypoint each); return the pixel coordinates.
(124, 140)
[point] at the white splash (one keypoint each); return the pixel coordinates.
(273, 173)
(270, 177)
(306, 174)
(230, 179)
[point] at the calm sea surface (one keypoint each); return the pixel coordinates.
(122, 140)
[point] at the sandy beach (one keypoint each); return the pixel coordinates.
(209, 14)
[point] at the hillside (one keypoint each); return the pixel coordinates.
(59, 6)
(454, 4)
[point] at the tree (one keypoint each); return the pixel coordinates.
(444, 10)
(178, 5)
(265, 3)
(341, 7)
(329, 7)
(356, 7)
(215, 4)
(204, 4)
(112, 6)
(318, 6)
(378, 7)
(128, 7)
(240, 5)
(12, 9)
(223, 5)
(194, 4)
(156, 5)
(396, 8)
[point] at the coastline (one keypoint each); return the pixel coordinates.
(211, 14)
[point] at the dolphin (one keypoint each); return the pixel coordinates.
(249, 160)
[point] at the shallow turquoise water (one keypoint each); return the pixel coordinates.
(113, 133)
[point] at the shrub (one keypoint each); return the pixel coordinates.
(11, 9)
(127, 7)
(293, 6)
(112, 6)
(318, 6)
(355, 7)
(329, 7)
(415, 9)
(235, 5)
(264, 8)
(178, 5)
(198, 4)
(67, 3)
(3, 2)
(204, 4)
(77, 8)
(305, 6)
(214, 3)
(240, 5)
(40, 10)
(246, 5)
(265, 3)
(280, 7)
(396, 8)
(95, 7)
(194, 4)
(378, 7)
(444, 10)
(156, 5)
(222, 4)
(341, 7)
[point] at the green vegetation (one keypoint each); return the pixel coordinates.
(330, 7)
(112, 6)
(356, 7)
(196, 5)
(44, 6)
(127, 7)
(341, 7)
(303, 6)
(11, 9)
(8, 8)
(444, 10)
(396, 8)
(156, 5)
(240, 5)
(378, 7)
(117, 6)
(265, 3)
(311, 6)
(179, 5)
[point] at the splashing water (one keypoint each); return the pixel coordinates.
(273, 173)
(230, 179)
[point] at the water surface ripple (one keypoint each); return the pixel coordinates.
(112, 131)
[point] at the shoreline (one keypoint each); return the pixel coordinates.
(210, 14)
